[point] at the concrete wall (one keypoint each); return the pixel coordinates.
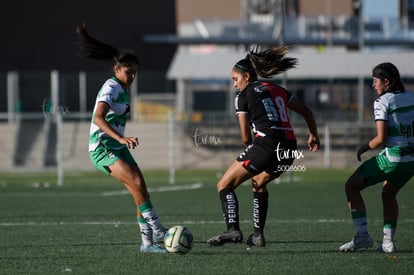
(155, 141)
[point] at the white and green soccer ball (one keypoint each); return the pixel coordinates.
(179, 239)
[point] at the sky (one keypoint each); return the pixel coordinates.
(381, 8)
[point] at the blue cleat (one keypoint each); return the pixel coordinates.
(158, 237)
(152, 249)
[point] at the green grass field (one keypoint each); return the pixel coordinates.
(88, 226)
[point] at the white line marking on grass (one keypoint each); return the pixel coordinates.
(282, 180)
(197, 222)
(46, 193)
(64, 223)
(129, 223)
(168, 188)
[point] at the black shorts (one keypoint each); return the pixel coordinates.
(268, 154)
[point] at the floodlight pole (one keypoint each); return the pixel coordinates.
(282, 21)
(358, 7)
(361, 30)
(54, 83)
(82, 94)
(13, 107)
(329, 39)
(171, 147)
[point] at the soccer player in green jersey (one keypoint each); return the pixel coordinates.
(108, 146)
(394, 165)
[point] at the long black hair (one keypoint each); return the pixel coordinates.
(389, 71)
(266, 63)
(97, 50)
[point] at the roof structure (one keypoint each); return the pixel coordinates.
(217, 64)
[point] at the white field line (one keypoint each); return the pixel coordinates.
(198, 222)
(173, 222)
(167, 188)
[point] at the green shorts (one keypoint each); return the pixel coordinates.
(103, 157)
(379, 168)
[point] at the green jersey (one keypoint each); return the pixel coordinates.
(397, 109)
(117, 99)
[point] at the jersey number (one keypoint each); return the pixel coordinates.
(275, 115)
(407, 130)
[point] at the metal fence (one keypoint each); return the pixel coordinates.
(46, 124)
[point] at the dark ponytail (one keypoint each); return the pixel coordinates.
(94, 49)
(266, 63)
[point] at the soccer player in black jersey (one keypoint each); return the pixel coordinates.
(262, 109)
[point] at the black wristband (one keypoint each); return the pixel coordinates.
(366, 147)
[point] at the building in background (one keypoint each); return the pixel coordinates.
(38, 37)
(347, 34)
(187, 49)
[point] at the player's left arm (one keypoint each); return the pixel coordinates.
(376, 141)
(99, 120)
(300, 108)
(380, 115)
(245, 131)
(381, 136)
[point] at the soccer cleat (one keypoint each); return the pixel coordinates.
(258, 241)
(388, 247)
(158, 237)
(234, 236)
(357, 243)
(152, 249)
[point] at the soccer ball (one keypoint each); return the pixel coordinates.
(179, 239)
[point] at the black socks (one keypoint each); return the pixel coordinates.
(230, 206)
(260, 206)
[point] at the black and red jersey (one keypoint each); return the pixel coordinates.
(266, 104)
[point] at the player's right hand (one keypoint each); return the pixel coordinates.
(131, 142)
